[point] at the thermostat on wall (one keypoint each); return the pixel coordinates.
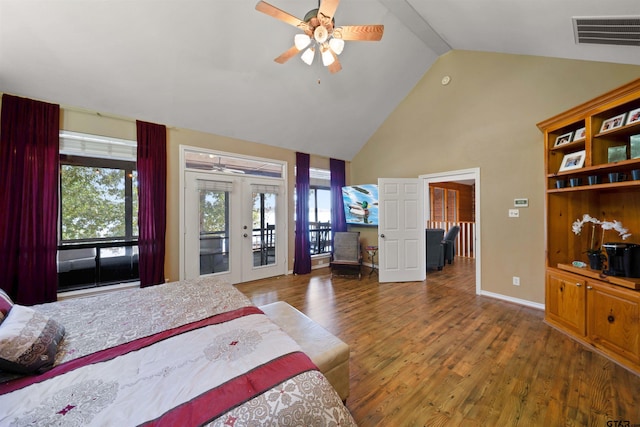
(521, 203)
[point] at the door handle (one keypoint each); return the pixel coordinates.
(382, 235)
(245, 235)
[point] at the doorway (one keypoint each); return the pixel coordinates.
(467, 176)
(234, 225)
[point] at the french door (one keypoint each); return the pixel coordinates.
(235, 227)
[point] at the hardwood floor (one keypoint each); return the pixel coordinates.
(434, 354)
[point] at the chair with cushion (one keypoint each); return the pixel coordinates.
(449, 243)
(434, 248)
(347, 253)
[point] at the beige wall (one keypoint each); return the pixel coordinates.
(100, 124)
(486, 117)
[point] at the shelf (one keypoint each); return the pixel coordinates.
(569, 146)
(623, 131)
(627, 282)
(605, 186)
(605, 167)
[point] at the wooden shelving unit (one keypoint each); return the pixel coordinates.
(602, 312)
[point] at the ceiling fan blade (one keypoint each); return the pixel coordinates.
(335, 65)
(283, 16)
(327, 10)
(293, 51)
(359, 32)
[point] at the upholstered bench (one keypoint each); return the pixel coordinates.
(329, 353)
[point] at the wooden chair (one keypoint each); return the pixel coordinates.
(347, 253)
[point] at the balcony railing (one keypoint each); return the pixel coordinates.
(93, 264)
(320, 238)
(466, 236)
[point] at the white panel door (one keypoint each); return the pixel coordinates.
(401, 230)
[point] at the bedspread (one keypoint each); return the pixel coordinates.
(184, 353)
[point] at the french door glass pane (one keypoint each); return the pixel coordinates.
(264, 229)
(214, 231)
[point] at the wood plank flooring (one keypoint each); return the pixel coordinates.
(435, 354)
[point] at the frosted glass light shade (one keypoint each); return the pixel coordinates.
(336, 45)
(327, 58)
(307, 56)
(301, 41)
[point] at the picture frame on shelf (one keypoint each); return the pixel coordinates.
(634, 147)
(563, 139)
(634, 116)
(616, 153)
(613, 123)
(572, 161)
(580, 134)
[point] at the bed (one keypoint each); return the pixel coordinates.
(193, 352)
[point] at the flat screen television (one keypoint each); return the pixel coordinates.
(361, 204)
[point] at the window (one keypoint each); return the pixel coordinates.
(98, 212)
(319, 211)
(444, 204)
(99, 199)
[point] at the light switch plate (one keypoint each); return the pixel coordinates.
(514, 213)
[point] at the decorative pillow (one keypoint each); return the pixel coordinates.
(5, 304)
(28, 341)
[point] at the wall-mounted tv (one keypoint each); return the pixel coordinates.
(361, 204)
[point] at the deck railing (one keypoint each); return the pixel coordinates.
(466, 237)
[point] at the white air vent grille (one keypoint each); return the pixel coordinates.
(621, 31)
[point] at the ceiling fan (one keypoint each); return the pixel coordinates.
(319, 32)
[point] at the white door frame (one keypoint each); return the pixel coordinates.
(283, 200)
(460, 175)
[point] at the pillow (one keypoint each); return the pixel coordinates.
(28, 341)
(5, 304)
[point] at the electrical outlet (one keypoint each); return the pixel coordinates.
(514, 213)
(516, 281)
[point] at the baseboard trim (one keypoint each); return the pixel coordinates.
(514, 300)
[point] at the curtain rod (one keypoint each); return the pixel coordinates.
(106, 115)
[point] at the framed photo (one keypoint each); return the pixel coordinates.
(563, 139)
(572, 161)
(580, 134)
(634, 146)
(634, 116)
(617, 153)
(613, 123)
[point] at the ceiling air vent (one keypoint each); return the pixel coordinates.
(621, 31)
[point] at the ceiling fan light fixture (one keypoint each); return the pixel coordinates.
(301, 41)
(327, 57)
(307, 56)
(336, 45)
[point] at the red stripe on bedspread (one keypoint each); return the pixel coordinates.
(215, 402)
(113, 352)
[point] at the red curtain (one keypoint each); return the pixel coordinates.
(29, 168)
(302, 260)
(152, 207)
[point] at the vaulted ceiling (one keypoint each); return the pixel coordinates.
(208, 65)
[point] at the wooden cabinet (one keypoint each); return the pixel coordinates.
(566, 301)
(583, 148)
(613, 320)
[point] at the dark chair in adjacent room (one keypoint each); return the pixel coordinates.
(434, 248)
(449, 243)
(347, 253)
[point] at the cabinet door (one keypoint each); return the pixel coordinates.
(565, 301)
(613, 321)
